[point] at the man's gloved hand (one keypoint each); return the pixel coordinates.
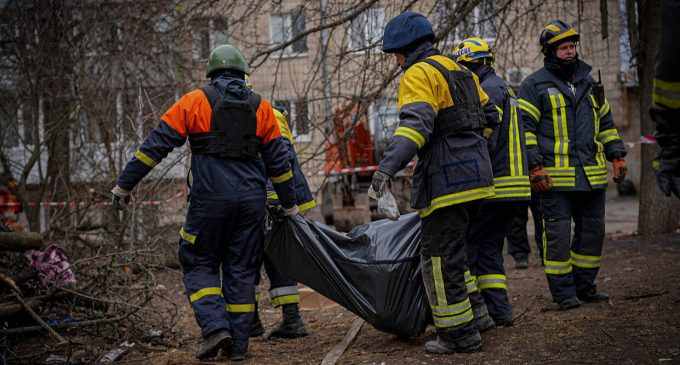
(378, 185)
(292, 211)
(120, 198)
(540, 180)
(487, 132)
(619, 169)
(667, 179)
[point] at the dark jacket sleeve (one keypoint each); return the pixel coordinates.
(608, 135)
(161, 141)
(529, 103)
(275, 155)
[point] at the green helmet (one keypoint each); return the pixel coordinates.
(226, 57)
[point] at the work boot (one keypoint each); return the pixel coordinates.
(292, 325)
(593, 296)
(212, 344)
(521, 262)
(238, 349)
(503, 321)
(256, 328)
(483, 320)
(569, 303)
(443, 345)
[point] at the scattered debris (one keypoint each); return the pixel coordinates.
(117, 353)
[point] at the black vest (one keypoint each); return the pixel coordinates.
(466, 114)
(233, 128)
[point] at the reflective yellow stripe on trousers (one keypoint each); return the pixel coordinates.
(561, 148)
(448, 315)
(492, 281)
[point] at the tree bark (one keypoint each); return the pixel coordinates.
(658, 214)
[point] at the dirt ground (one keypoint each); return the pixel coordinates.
(639, 325)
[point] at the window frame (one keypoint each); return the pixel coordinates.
(293, 115)
(363, 19)
(288, 31)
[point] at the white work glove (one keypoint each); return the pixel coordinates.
(120, 198)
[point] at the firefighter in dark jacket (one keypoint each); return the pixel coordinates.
(571, 134)
(511, 182)
(442, 113)
(235, 144)
(283, 291)
(666, 98)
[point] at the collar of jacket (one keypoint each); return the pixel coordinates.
(423, 51)
(581, 81)
(231, 85)
(581, 69)
(483, 71)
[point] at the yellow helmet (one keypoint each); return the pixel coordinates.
(473, 49)
(555, 32)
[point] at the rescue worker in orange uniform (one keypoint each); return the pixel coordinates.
(235, 144)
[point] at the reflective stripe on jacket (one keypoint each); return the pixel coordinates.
(451, 170)
(567, 131)
(215, 178)
(507, 147)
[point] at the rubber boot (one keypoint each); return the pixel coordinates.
(521, 262)
(569, 303)
(292, 325)
(238, 349)
(212, 344)
(445, 345)
(483, 320)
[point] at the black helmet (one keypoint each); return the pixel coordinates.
(555, 32)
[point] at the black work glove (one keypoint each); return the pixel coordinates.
(667, 178)
(378, 184)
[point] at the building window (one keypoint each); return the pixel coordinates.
(219, 31)
(384, 117)
(366, 29)
(628, 69)
(208, 33)
(30, 122)
(298, 117)
(478, 23)
(200, 40)
(287, 26)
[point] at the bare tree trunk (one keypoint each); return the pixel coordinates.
(658, 214)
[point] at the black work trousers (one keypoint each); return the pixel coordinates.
(444, 263)
(518, 240)
(572, 263)
(485, 255)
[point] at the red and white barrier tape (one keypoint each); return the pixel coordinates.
(352, 170)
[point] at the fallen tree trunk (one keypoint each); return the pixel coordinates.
(20, 241)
